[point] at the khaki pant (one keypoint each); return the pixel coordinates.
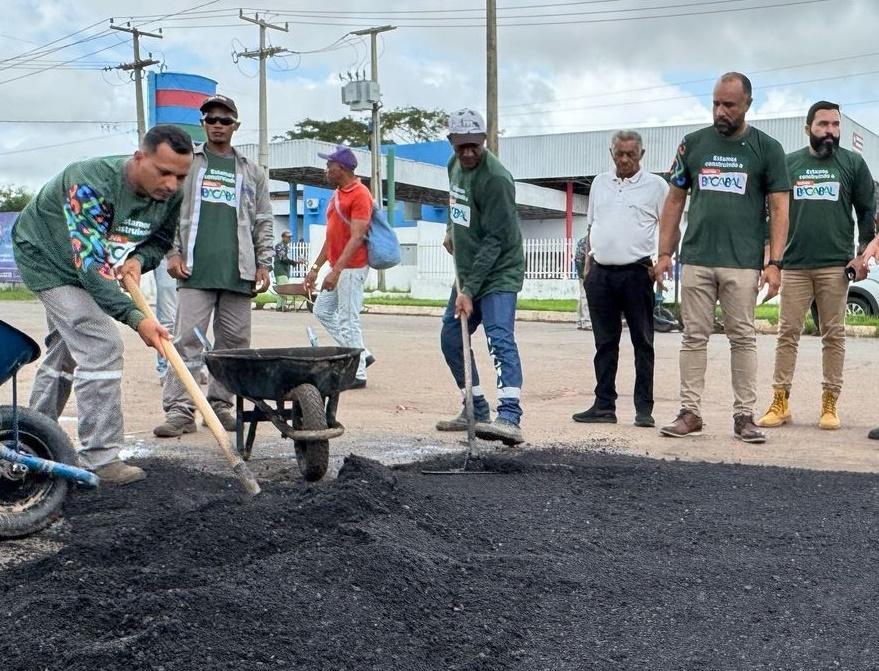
(828, 287)
(736, 289)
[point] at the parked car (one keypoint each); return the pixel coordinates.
(863, 296)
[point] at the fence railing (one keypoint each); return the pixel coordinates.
(301, 252)
(545, 259)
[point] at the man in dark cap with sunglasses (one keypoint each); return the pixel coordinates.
(222, 254)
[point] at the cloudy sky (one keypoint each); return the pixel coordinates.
(564, 65)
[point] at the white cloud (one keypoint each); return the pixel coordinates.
(583, 73)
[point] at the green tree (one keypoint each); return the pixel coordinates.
(342, 131)
(413, 124)
(14, 198)
(402, 124)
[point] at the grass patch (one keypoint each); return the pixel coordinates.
(17, 294)
(405, 300)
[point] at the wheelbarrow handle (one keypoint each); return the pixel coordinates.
(210, 417)
(53, 468)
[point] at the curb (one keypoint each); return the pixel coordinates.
(763, 326)
(425, 311)
(766, 327)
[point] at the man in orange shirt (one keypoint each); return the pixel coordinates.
(340, 301)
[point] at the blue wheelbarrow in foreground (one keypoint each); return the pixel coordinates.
(36, 456)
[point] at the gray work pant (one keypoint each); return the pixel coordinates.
(166, 307)
(231, 313)
(83, 351)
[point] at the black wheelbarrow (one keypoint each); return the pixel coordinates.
(303, 382)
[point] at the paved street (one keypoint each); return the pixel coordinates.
(410, 388)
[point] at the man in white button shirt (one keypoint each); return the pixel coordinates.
(622, 219)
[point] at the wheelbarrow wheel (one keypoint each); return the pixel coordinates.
(31, 501)
(313, 456)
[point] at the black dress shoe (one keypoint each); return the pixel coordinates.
(358, 384)
(596, 416)
(369, 360)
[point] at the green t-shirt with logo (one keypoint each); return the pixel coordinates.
(484, 226)
(84, 222)
(215, 255)
(729, 180)
(825, 190)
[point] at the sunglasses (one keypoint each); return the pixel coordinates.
(222, 120)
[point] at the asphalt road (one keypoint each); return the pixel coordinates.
(410, 388)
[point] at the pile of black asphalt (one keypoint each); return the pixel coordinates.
(558, 560)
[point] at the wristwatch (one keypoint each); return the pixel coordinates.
(778, 263)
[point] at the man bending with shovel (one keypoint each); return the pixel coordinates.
(97, 222)
(484, 238)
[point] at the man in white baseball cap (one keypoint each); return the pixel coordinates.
(484, 238)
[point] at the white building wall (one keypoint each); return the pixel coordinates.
(542, 229)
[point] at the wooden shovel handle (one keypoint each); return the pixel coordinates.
(239, 468)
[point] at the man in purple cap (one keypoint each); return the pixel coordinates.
(340, 301)
(222, 254)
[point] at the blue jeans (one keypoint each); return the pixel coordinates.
(497, 314)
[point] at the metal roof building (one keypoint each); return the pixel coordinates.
(553, 160)
(297, 162)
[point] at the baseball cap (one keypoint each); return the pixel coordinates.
(466, 126)
(228, 103)
(343, 156)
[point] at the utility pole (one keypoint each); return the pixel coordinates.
(375, 180)
(137, 66)
(262, 54)
(491, 73)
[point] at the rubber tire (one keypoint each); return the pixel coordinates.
(47, 440)
(313, 456)
(861, 303)
(663, 320)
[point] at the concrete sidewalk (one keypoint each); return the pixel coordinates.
(763, 325)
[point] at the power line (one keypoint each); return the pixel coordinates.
(386, 12)
(48, 44)
(42, 51)
(72, 60)
(339, 18)
(107, 122)
(344, 21)
(625, 10)
(62, 144)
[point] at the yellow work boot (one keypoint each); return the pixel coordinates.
(779, 411)
(829, 419)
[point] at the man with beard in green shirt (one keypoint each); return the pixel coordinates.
(828, 182)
